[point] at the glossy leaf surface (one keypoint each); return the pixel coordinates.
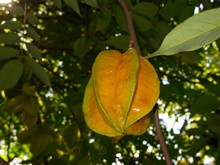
(197, 31)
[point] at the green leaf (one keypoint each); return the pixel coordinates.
(9, 38)
(28, 120)
(7, 52)
(197, 146)
(92, 3)
(197, 31)
(81, 46)
(38, 70)
(32, 19)
(39, 143)
(34, 51)
(31, 106)
(58, 3)
(120, 18)
(145, 9)
(212, 123)
(10, 74)
(142, 23)
(31, 32)
(214, 88)
(15, 104)
(70, 135)
(205, 104)
(120, 42)
(74, 5)
(103, 20)
(16, 10)
(13, 25)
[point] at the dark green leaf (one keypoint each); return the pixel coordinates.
(38, 70)
(31, 32)
(70, 135)
(81, 46)
(197, 146)
(9, 38)
(120, 42)
(13, 25)
(32, 19)
(15, 104)
(214, 88)
(7, 52)
(92, 3)
(103, 20)
(142, 23)
(10, 73)
(197, 31)
(31, 106)
(205, 104)
(212, 125)
(120, 18)
(16, 10)
(28, 120)
(58, 3)
(34, 51)
(146, 9)
(74, 5)
(39, 143)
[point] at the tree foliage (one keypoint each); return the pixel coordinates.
(47, 49)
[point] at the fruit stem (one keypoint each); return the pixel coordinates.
(133, 38)
(159, 136)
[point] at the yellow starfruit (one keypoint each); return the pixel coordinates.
(121, 92)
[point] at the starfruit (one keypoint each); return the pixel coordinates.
(121, 92)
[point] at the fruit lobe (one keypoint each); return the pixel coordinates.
(120, 94)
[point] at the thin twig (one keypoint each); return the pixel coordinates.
(160, 136)
(133, 38)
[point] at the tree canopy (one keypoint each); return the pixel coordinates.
(47, 48)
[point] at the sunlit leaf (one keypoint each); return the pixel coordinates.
(38, 70)
(10, 73)
(7, 52)
(197, 31)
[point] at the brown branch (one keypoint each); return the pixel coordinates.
(159, 136)
(133, 38)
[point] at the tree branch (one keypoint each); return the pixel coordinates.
(133, 38)
(159, 136)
